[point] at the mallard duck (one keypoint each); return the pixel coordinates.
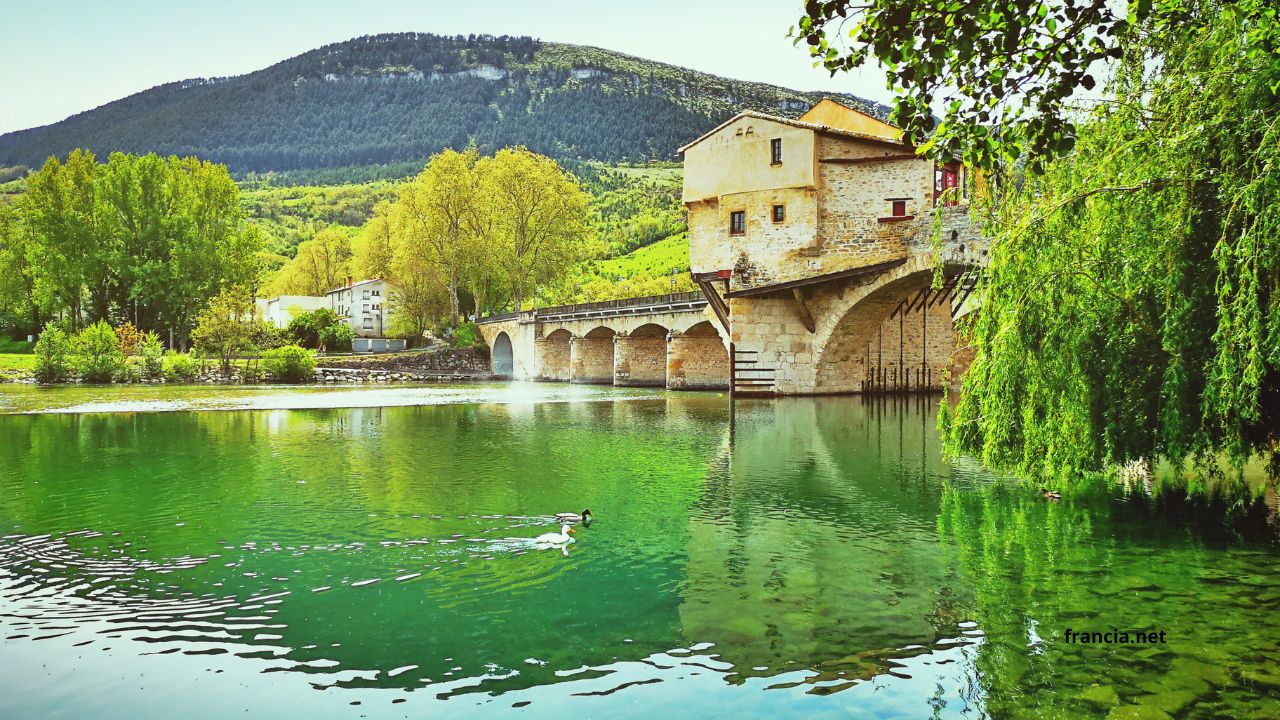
(574, 517)
(1050, 494)
(561, 538)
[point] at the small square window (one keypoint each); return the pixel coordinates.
(779, 213)
(366, 294)
(738, 222)
(899, 208)
(775, 151)
(366, 307)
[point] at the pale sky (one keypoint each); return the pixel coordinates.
(65, 56)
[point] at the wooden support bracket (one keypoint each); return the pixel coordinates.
(806, 317)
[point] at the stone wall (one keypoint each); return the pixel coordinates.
(591, 360)
(697, 360)
(553, 357)
(432, 361)
(640, 360)
(909, 351)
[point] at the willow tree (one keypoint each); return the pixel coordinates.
(535, 217)
(1132, 304)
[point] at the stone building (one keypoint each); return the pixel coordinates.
(815, 241)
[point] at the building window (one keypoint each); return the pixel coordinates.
(779, 213)
(376, 293)
(775, 151)
(899, 208)
(366, 294)
(738, 222)
(366, 307)
(368, 324)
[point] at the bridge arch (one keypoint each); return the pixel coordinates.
(502, 359)
(591, 357)
(640, 357)
(553, 356)
(893, 334)
(697, 359)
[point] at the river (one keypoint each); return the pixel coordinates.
(349, 553)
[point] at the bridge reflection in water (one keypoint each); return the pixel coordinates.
(814, 555)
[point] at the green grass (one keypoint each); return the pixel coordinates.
(17, 361)
(17, 347)
(668, 255)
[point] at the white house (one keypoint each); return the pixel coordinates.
(280, 310)
(364, 305)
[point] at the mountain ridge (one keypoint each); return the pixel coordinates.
(399, 97)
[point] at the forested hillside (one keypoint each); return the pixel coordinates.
(391, 100)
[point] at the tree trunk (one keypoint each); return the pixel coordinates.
(454, 310)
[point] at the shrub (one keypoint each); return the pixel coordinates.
(466, 335)
(98, 358)
(179, 367)
(309, 329)
(152, 356)
(224, 328)
(337, 338)
(265, 336)
(53, 355)
(129, 338)
(290, 364)
(130, 371)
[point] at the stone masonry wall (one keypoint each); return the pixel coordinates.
(591, 360)
(553, 358)
(639, 360)
(697, 362)
(903, 346)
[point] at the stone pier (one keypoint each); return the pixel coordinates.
(640, 357)
(591, 358)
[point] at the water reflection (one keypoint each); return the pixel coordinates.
(813, 556)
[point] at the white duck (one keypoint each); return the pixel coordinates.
(563, 537)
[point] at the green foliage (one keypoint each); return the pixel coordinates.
(656, 269)
(386, 100)
(265, 336)
(97, 356)
(224, 328)
(1014, 66)
(54, 350)
(337, 337)
(311, 329)
(152, 353)
(16, 347)
(291, 215)
(1132, 304)
(179, 367)
(466, 335)
(290, 363)
(143, 237)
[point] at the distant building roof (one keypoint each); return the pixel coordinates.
(355, 285)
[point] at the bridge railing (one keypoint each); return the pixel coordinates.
(605, 305)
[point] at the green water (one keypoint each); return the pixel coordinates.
(811, 558)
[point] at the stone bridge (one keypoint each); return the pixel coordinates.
(672, 341)
(888, 325)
